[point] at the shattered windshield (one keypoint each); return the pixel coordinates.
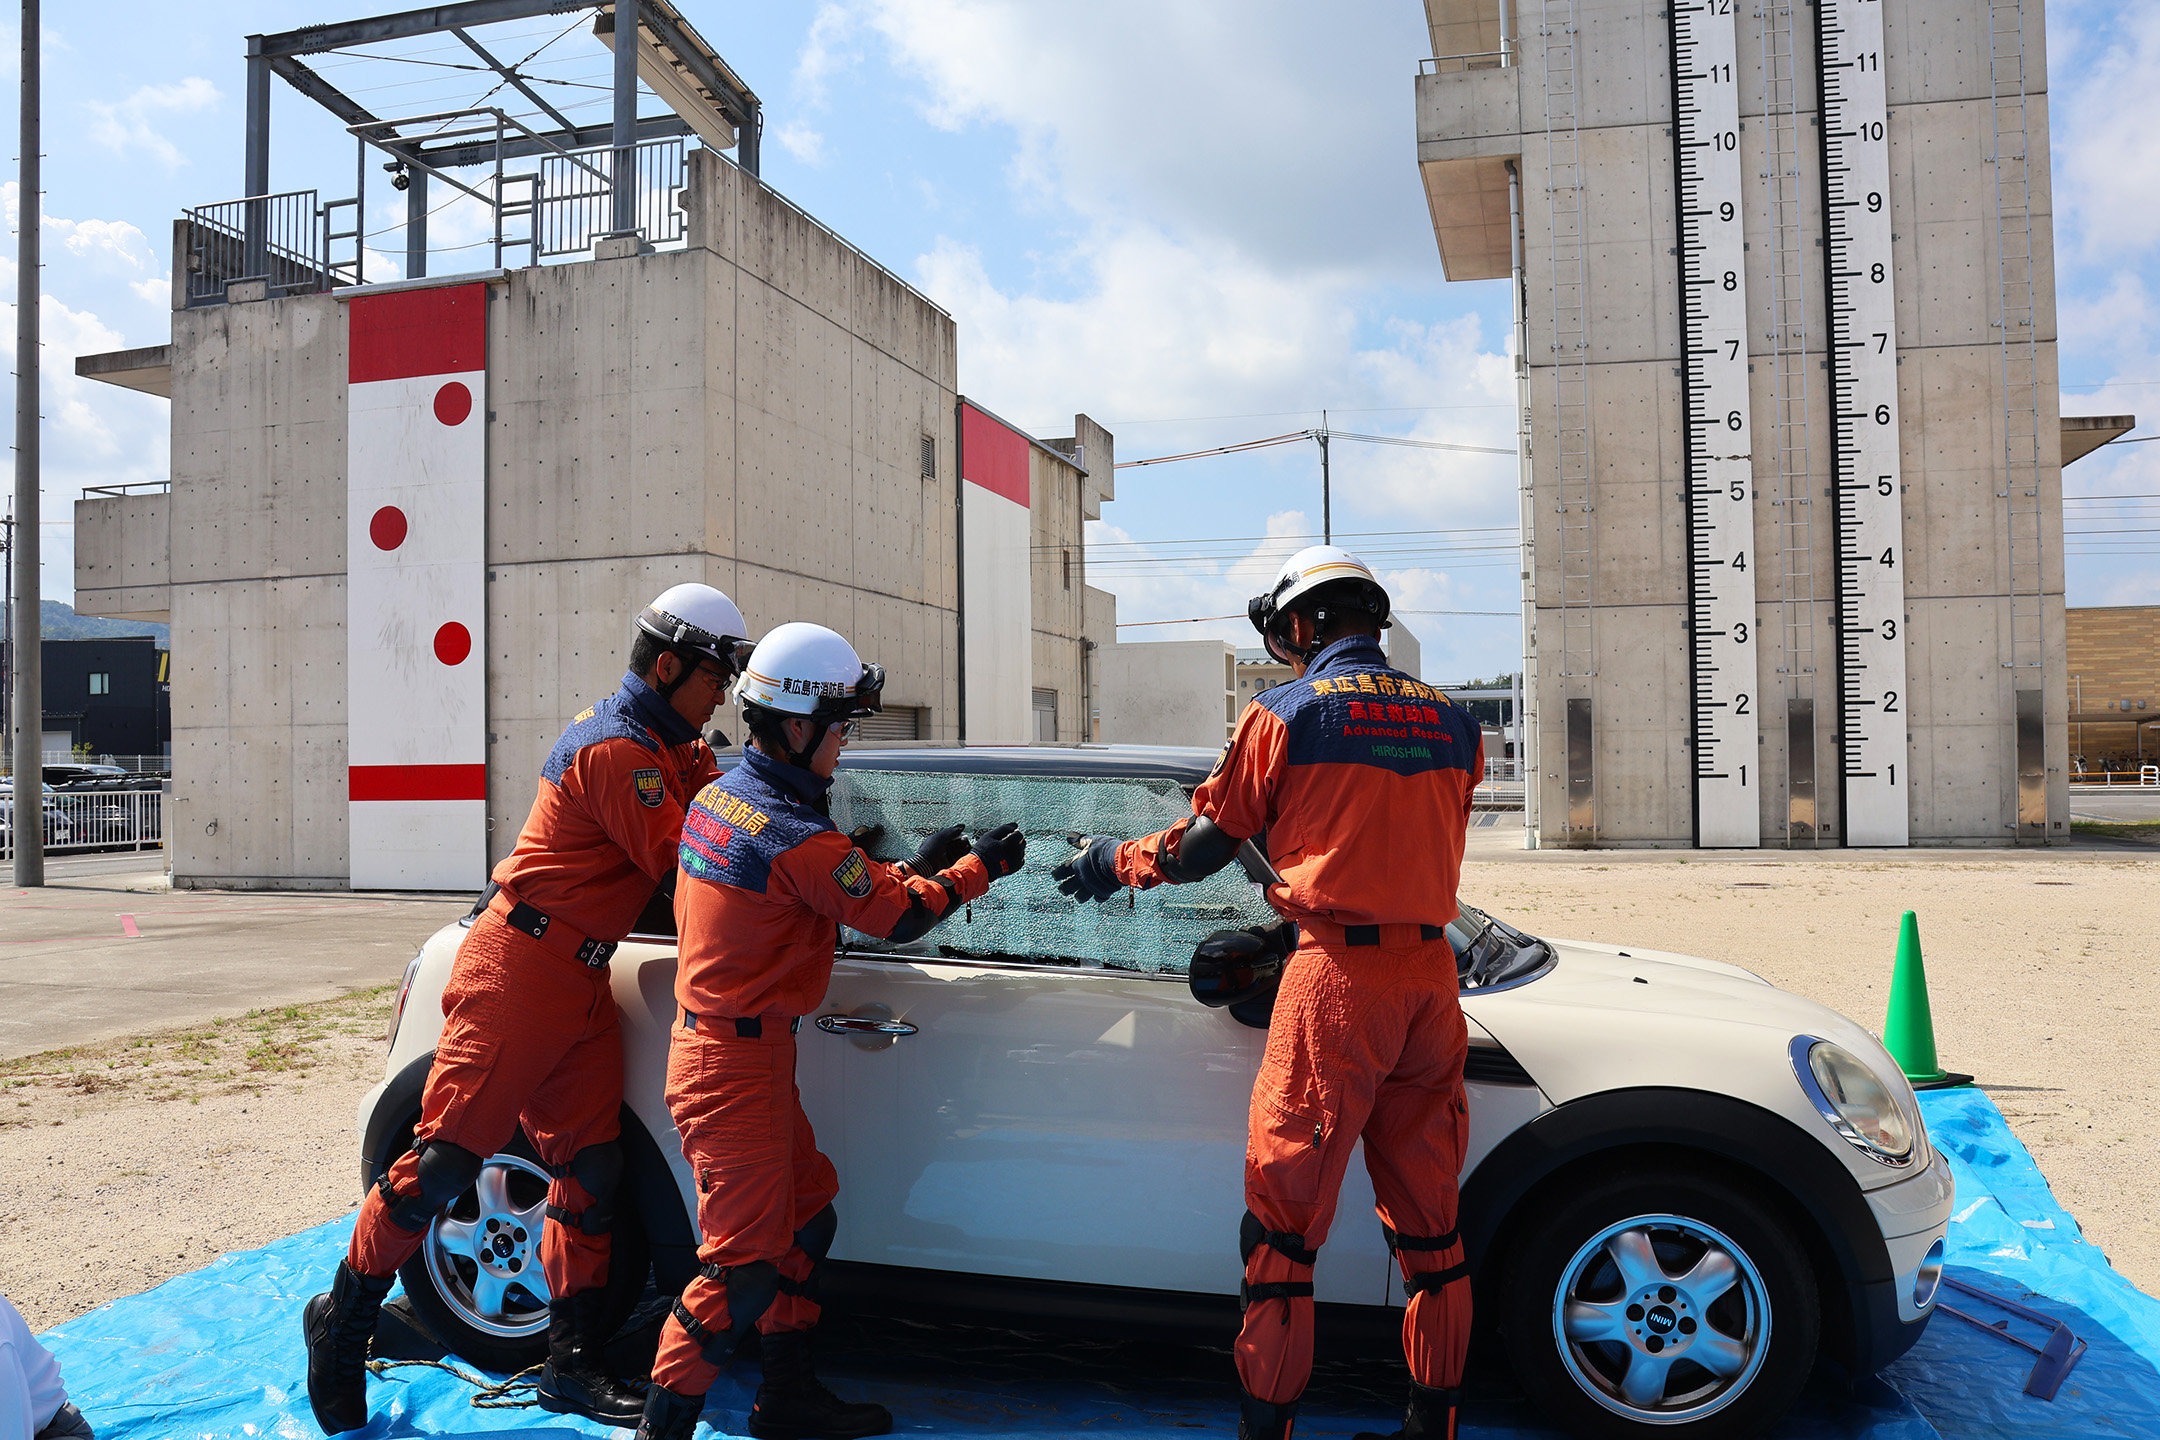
(1024, 917)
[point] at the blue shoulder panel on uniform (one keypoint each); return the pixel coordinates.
(611, 719)
(739, 826)
(1354, 710)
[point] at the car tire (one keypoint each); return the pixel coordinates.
(1674, 1303)
(492, 1319)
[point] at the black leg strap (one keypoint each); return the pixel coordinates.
(713, 1345)
(586, 1222)
(1432, 1282)
(1253, 1233)
(1420, 1242)
(1250, 1294)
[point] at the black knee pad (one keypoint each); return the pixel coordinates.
(445, 1172)
(599, 1169)
(816, 1237)
(751, 1290)
(1252, 1234)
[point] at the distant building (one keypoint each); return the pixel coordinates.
(2114, 669)
(107, 697)
(1257, 670)
(1160, 692)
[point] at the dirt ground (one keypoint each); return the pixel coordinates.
(125, 1163)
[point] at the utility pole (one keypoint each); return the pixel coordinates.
(1327, 520)
(29, 734)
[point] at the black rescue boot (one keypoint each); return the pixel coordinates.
(1432, 1415)
(669, 1416)
(576, 1381)
(1262, 1420)
(338, 1327)
(793, 1404)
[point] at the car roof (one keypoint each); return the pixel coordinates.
(1180, 764)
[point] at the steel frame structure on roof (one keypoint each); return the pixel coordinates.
(695, 81)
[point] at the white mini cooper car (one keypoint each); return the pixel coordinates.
(1684, 1185)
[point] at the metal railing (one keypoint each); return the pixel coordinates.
(2145, 777)
(1458, 64)
(126, 488)
(281, 240)
(575, 203)
(91, 820)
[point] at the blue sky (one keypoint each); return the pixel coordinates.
(1198, 223)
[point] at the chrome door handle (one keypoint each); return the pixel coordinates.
(864, 1025)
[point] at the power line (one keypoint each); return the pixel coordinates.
(1296, 435)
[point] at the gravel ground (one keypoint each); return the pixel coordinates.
(126, 1163)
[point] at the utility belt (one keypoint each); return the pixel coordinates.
(746, 1027)
(1394, 936)
(556, 937)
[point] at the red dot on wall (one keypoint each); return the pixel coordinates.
(453, 643)
(387, 528)
(453, 403)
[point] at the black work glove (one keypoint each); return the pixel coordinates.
(1091, 874)
(940, 849)
(1002, 850)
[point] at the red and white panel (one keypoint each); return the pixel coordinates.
(416, 588)
(998, 598)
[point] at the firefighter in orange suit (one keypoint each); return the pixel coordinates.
(766, 877)
(530, 1034)
(1361, 779)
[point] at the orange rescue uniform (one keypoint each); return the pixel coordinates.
(530, 1034)
(1361, 779)
(767, 879)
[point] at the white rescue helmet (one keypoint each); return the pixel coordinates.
(809, 671)
(697, 622)
(1322, 581)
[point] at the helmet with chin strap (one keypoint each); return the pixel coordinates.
(696, 623)
(1324, 582)
(805, 672)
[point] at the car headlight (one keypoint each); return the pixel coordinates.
(404, 989)
(1853, 1099)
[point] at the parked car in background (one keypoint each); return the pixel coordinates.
(58, 829)
(1683, 1185)
(75, 772)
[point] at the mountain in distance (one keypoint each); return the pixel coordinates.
(57, 620)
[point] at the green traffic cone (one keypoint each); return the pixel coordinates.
(1909, 1028)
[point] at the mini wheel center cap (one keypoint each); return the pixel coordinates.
(1661, 1320)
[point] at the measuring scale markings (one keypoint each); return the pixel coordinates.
(1864, 422)
(1719, 430)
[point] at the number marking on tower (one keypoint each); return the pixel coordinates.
(1719, 429)
(1868, 479)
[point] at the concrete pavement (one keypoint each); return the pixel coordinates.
(108, 949)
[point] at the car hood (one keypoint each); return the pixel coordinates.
(1603, 1018)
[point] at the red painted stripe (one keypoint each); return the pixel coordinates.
(127, 927)
(417, 332)
(993, 455)
(417, 782)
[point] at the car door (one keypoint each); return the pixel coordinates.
(1036, 1112)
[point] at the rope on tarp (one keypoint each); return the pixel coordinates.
(494, 1395)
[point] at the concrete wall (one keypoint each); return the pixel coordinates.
(2113, 664)
(1957, 565)
(1169, 692)
(748, 411)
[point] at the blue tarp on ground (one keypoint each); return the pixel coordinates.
(217, 1354)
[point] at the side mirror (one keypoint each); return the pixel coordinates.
(1239, 970)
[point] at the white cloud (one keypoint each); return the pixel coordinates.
(802, 142)
(1255, 123)
(826, 52)
(139, 121)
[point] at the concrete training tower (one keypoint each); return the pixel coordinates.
(1785, 325)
